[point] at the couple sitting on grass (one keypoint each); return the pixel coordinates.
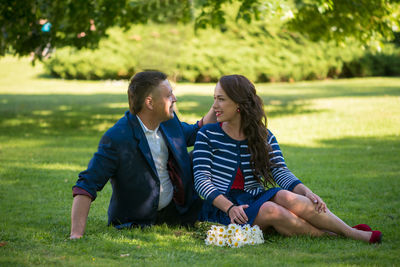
(238, 168)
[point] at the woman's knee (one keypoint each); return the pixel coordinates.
(285, 197)
(271, 210)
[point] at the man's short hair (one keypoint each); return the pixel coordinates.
(142, 85)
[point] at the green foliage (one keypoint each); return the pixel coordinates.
(262, 53)
(120, 55)
(320, 20)
(76, 23)
(83, 23)
(334, 19)
(384, 63)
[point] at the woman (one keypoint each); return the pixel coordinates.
(238, 162)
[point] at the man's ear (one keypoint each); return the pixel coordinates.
(148, 102)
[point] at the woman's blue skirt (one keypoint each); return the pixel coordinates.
(211, 213)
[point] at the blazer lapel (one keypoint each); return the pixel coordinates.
(170, 142)
(142, 141)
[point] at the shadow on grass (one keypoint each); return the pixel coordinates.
(60, 114)
(277, 106)
(356, 160)
(339, 88)
(92, 114)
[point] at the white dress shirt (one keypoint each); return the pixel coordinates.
(159, 152)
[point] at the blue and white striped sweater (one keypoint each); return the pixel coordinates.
(217, 157)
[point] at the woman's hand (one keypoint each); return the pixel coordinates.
(319, 203)
(237, 214)
(301, 189)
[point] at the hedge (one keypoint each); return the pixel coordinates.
(264, 54)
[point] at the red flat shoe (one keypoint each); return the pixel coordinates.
(376, 237)
(363, 227)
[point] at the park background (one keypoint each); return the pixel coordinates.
(333, 105)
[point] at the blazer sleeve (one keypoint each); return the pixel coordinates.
(101, 167)
(190, 132)
(202, 160)
(280, 173)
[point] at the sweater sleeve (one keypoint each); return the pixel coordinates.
(202, 160)
(281, 174)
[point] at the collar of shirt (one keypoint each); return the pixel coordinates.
(145, 129)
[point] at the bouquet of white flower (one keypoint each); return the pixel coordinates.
(234, 235)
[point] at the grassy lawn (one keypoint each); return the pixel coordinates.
(341, 138)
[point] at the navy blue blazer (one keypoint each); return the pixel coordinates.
(124, 158)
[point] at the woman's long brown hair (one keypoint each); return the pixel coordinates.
(253, 123)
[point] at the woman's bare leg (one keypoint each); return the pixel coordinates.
(284, 221)
(305, 209)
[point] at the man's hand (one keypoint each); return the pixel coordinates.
(73, 236)
(79, 214)
(210, 117)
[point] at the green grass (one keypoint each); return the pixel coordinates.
(340, 137)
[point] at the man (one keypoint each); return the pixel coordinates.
(144, 155)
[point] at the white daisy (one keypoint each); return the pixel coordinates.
(210, 240)
(221, 242)
(246, 228)
(236, 243)
(234, 235)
